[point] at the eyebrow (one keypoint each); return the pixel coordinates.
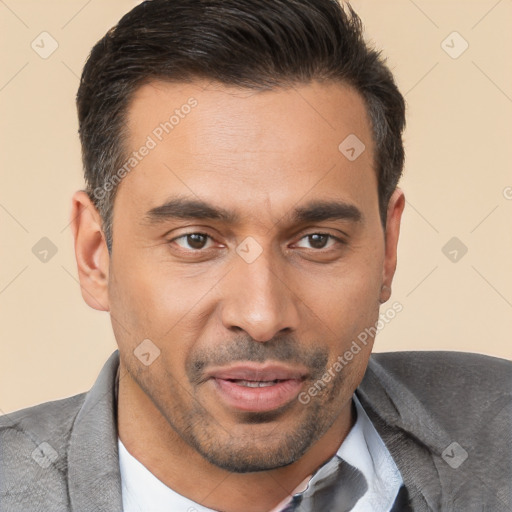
(318, 211)
(182, 208)
(187, 209)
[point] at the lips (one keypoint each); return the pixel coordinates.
(257, 388)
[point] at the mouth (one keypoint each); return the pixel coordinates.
(257, 388)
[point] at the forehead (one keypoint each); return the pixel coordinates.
(247, 149)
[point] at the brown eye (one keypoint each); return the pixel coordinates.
(193, 241)
(197, 240)
(318, 241)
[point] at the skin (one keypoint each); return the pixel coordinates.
(259, 155)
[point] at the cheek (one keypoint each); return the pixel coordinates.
(131, 300)
(153, 296)
(154, 303)
(344, 307)
(347, 298)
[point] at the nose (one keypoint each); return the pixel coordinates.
(257, 299)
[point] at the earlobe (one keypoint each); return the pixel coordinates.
(385, 293)
(394, 215)
(91, 251)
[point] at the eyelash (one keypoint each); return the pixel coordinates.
(184, 236)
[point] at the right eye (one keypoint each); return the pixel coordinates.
(193, 241)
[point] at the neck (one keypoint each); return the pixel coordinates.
(151, 440)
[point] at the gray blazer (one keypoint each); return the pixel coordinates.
(446, 418)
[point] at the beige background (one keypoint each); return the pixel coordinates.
(458, 183)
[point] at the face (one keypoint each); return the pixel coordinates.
(249, 249)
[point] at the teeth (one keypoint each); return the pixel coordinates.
(255, 384)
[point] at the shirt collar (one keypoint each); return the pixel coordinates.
(365, 450)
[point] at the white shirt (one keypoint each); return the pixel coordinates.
(363, 448)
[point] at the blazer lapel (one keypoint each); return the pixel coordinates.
(414, 439)
(93, 462)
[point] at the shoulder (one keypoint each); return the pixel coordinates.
(448, 382)
(33, 454)
(439, 369)
(437, 362)
(44, 419)
(440, 411)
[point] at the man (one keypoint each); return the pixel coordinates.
(240, 225)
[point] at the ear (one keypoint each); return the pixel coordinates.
(394, 216)
(91, 251)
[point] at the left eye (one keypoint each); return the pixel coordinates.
(316, 241)
(193, 241)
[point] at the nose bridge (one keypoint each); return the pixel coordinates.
(257, 300)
